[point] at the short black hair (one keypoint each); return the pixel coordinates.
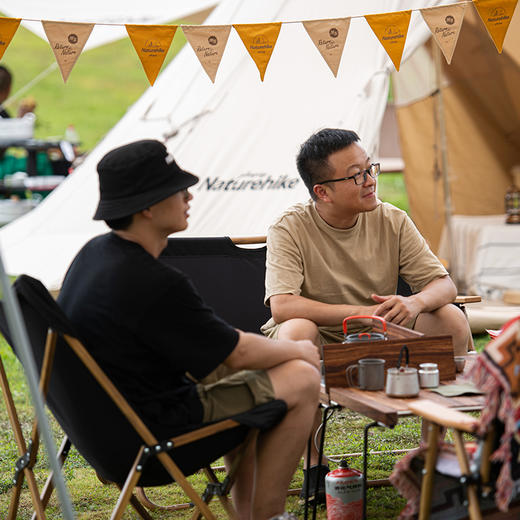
(312, 160)
(121, 223)
(5, 78)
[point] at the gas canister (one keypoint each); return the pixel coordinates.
(344, 493)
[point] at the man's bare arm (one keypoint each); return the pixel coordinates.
(401, 309)
(288, 306)
(257, 352)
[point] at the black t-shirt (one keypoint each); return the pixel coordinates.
(146, 326)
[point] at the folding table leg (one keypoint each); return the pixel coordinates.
(365, 463)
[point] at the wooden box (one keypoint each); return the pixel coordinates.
(423, 349)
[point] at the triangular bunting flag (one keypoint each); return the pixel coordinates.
(391, 30)
(496, 15)
(8, 27)
(67, 41)
(208, 42)
(445, 23)
(151, 42)
(259, 39)
(329, 36)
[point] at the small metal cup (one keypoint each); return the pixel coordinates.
(428, 375)
(371, 374)
(460, 363)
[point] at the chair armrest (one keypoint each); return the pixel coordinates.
(473, 298)
(444, 416)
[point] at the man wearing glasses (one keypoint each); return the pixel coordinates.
(340, 254)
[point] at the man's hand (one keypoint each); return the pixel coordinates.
(310, 352)
(400, 310)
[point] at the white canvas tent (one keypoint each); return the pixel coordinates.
(239, 135)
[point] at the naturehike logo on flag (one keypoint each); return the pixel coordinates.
(151, 42)
(8, 26)
(259, 39)
(496, 15)
(391, 30)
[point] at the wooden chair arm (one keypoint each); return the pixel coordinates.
(473, 298)
(444, 416)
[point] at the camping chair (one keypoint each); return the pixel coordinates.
(230, 279)
(481, 479)
(106, 430)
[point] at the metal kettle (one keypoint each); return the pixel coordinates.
(402, 381)
(364, 336)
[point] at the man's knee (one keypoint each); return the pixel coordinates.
(299, 328)
(448, 319)
(295, 381)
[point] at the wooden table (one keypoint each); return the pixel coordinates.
(386, 411)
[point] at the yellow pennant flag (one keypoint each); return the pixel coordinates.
(445, 23)
(208, 42)
(391, 30)
(8, 27)
(259, 40)
(67, 41)
(496, 15)
(329, 36)
(151, 42)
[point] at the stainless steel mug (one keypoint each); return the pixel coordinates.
(428, 375)
(402, 381)
(371, 374)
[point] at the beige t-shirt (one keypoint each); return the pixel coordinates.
(307, 257)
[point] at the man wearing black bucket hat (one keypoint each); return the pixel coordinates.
(137, 317)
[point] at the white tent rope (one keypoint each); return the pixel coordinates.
(21, 91)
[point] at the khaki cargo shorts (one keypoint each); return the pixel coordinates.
(327, 334)
(224, 393)
(331, 334)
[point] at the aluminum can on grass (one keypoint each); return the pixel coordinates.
(344, 493)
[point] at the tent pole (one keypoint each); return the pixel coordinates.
(21, 340)
(448, 208)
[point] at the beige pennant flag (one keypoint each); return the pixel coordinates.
(8, 28)
(67, 41)
(391, 30)
(209, 43)
(259, 40)
(151, 42)
(329, 36)
(445, 23)
(496, 15)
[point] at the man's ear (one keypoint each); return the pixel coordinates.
(146, 213)
(321, 193)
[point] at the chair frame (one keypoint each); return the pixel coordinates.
(440, 417)
(150, 447)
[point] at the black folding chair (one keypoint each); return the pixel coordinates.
(105, 429)
(230, 279)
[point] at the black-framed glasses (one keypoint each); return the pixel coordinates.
(360, 177)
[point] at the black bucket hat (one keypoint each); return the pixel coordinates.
(135, 176)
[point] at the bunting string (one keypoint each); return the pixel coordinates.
(329, 36)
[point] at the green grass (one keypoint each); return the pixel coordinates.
(391, 188)
(104, 82)
(93, 500)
